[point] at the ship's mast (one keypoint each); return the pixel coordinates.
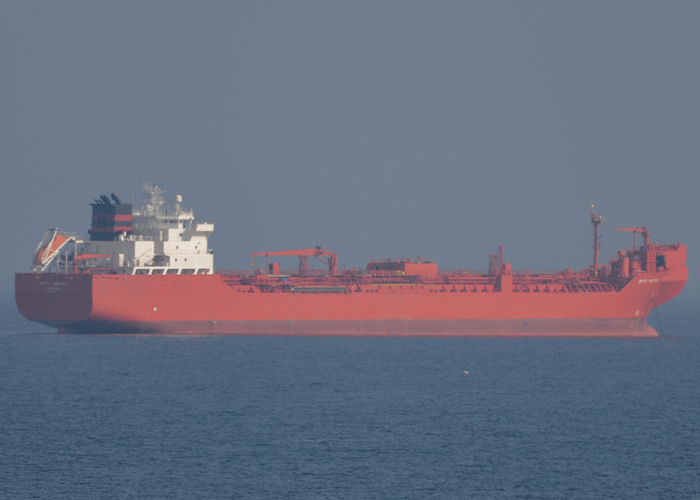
(596, 220)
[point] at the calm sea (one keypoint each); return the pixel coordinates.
(102, 416)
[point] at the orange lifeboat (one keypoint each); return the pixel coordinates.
(45, 252)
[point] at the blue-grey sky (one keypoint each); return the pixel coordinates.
(374, 128)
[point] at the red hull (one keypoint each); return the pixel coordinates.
(218, 304)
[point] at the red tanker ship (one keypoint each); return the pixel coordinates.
(150, 270)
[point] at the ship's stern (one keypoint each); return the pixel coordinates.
(58, 300)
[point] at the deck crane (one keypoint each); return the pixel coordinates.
(331, 259)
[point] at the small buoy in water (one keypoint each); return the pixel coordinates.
(466, 372)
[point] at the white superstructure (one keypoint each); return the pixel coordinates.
(158, 240)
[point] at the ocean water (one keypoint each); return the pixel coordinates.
(158, 416)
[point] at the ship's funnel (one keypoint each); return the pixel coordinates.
(110, 219)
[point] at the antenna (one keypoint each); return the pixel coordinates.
(596, 220)
(155, 198)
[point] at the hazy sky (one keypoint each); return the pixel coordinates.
(377, 129)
